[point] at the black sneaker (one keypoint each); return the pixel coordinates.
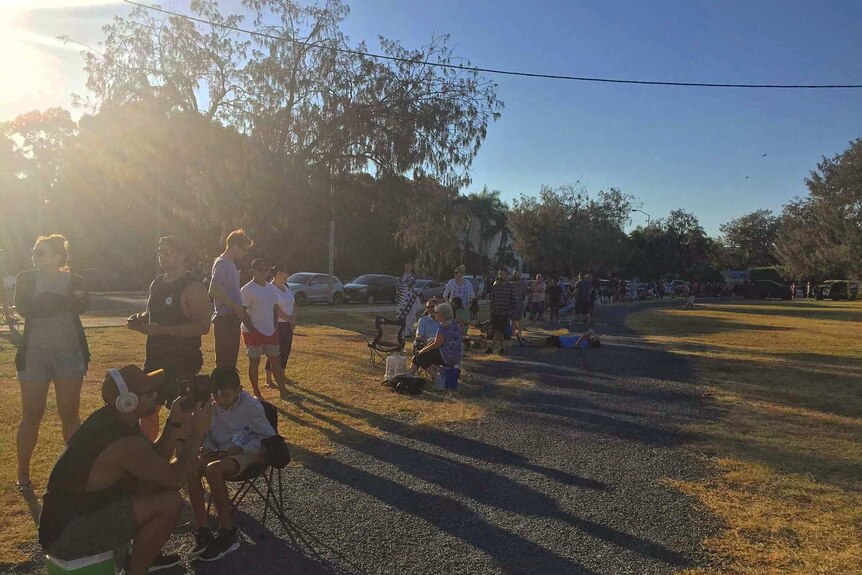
(225, 542)
(502, 351)
(164, 562)
(203, 538)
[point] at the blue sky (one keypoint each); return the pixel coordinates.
(671, 147)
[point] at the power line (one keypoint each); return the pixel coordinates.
(495, 70)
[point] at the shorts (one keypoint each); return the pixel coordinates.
(499, 322)
(258, 344)
(102, 530)
(47, 365)
(226, 330)
(429, 358)
(244, 460)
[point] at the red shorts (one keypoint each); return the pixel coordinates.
(257, 344)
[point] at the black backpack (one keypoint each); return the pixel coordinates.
(407, 384)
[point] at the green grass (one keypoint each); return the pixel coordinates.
(328, 366)
(787, 382)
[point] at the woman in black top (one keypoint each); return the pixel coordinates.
(53, 347)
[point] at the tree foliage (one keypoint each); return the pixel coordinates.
(821, 235)
(750, 240)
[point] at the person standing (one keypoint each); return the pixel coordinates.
(286, 319)
(225, 292)
(53, 347)
(177, 316)
(520, 304)
(503, 302)
(407, 299)
(537, 298)
(260, 303)
(463, 290)
(555, 299)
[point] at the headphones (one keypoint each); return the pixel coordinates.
(127, 401)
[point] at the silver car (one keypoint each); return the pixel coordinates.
(426, 289)
(310, 287)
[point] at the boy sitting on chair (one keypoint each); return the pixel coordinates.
(231, 445)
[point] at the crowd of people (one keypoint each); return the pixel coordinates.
(119, 477)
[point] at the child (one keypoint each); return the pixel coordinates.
(231, 445)
(474, 309)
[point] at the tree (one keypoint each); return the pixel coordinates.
(301, 89)
(821, 235)
(750, 239)
(566, 230)
(675, 246)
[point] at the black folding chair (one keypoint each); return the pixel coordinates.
(385, 344)
(266, 473)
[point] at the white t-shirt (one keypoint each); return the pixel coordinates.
(260, 301)
(286, 302)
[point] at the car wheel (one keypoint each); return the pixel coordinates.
(370, 299)
(337, 298)
(301, 299)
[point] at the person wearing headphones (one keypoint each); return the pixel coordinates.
(112, 485)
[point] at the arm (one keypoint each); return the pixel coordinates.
(79, 299)
(435, 343)
(447, 291)
(217, 293)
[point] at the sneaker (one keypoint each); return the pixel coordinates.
(163, 561)
(225, 542)
(502, 352)
(203, 538)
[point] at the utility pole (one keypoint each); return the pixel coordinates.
(648, 218)
(331, 233)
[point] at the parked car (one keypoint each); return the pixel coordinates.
(768, 289)
(370, 288)
(426, 289)
(478, 284)
(838, 290)
(310, 287)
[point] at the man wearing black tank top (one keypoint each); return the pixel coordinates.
(178, 314)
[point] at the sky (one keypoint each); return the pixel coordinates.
(689, 148)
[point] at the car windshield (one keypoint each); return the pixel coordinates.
(367, 279)
(299, 278)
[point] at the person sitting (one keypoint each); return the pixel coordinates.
(232, 444)
(446, 349)
(112, 485)
(427, 327)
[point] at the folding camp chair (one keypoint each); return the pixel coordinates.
(269, 475)
(380, 346)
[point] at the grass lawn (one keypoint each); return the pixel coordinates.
(786, 436)
(328, 365)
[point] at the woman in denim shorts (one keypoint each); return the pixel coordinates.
(53, 347)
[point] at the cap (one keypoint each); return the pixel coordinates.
(259, 262)
(137, 381)
(175, 242)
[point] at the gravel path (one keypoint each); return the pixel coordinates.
(564, 479)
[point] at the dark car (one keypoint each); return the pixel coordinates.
(370, 288)
(838, 290)
(768, 289)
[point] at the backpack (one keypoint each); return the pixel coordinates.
(407, 384)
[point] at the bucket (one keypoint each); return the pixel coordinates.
(395, 365)
(101, 564)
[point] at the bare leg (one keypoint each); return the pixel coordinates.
(196, 496)
(215, 473)
(68, 392)
(278, 373)
(34, 395)
(253, 369)
(268, 370)
(155, 515)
